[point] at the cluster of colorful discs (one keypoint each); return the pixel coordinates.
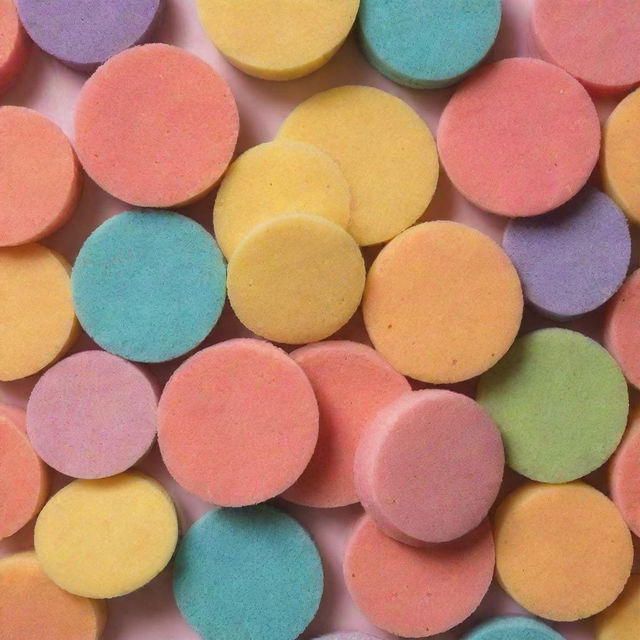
(332, 422)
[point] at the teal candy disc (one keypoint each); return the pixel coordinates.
(248, 574)
(427, 44)
(513, 628)
(149, 285)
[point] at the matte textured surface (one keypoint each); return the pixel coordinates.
(596, 42)
(513, 628)
(426, 45)
(244, 574)
(510, 149)
(572, 260)
(563, 552)
(238, 423)
(277, 178)
(14, 45)
(621, 621)
(106, 538)
(561, 403)
(351, 383)
(31, 606)
(149, 285)
(277, 39)
(93, 415)
(156, 126)
(86, 33)
(347, 636)
(296, 279)
(469, 308)
(413, 592)
(384, 149)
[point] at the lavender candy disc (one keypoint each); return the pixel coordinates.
(84, 34)
(573, 259)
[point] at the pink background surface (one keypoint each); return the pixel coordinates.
(51, 88)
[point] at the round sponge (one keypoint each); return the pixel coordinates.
(563, 552)
(248, 573)
(277, 178)
(384, 148)
(619, 162)
(512, 150)
(621, 621)
(468, 310)
(572, 260)
(238, 423)
(156, 126)
(346, 635)
(352, 383)
(106, 538)
(296, 279)
(429, 466)
(277, 39)
(92, 415)
(561, 403)
(149, 286)
(86, 33)
(513, 628)
(31, 606)
(23, 478)
(427, 45)
(621, 334)
(14, 46)
(574, 35)
(40, 178)
(414, 592)
(36, 315)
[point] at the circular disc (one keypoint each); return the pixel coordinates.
(14, 46)
(621, 621)
(513, 628)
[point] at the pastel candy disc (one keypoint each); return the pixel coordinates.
(393, 179)
(238, 423)
(429, 466)
(511, 149)
(14, 45)
(246, 574)
(563, 552)
(106, 538)
(561, 403)
(277, 178)
(572, 260)
(296, 279)
(467, 312)
(426, 45)
(33, 607)
(37, 320)
(156, 126)
(574, 35)
(40, 178)
(92, 415)
(513, 628)
(272, 39)
(417, 592)
(621, 621)
(346, 635)
(86, 33)
(149, 286)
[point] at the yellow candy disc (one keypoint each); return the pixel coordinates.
(621, 621)
(37, 320)
(296, 279)
(384, 149)
(105, 538)
(277, 178)
(278, 39)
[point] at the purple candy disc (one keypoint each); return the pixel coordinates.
(573, 259)
(86, 33)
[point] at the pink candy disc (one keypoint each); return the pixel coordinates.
(92, 415)
(429, 466)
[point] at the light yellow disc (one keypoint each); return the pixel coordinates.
(621, 621)
(37, 320)
(278, 39)
(277, 178)
(620, 160)
(105, 538)
(384, 149)
(296, 279)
